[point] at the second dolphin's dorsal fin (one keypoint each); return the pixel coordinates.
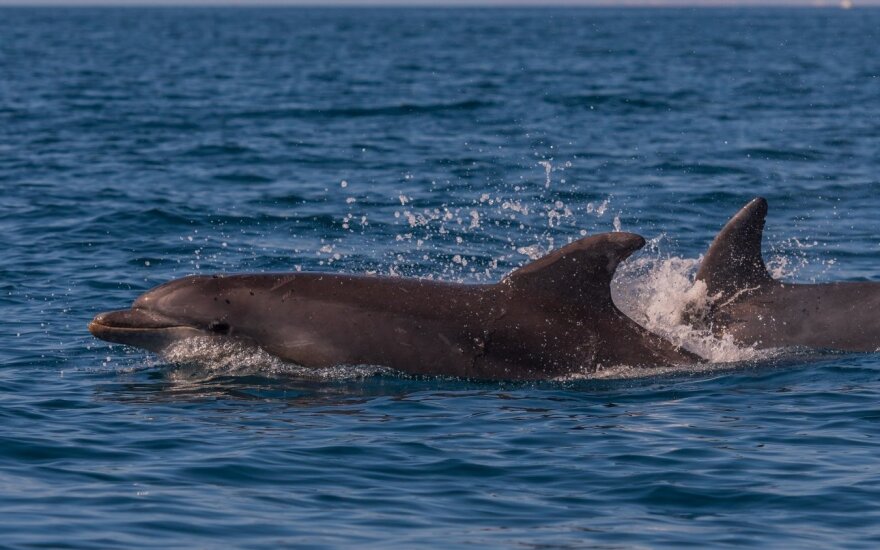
(733, 262)
(578, 271)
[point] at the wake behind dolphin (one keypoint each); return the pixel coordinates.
(551, 318)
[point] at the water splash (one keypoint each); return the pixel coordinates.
(660, 294)
(548, 168)
(543, 218)
(798, 261)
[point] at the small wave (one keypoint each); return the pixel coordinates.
(700, 169)
(177, 125)
(286, 199)
(242, 177)
(402, 109)
(225, 150)
(165, 216)
(614, 101)
(766, 153)
(718, 197)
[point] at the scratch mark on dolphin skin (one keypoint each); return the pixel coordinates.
(280, 284)
(737, 295)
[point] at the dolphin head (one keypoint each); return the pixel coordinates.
(195, 306)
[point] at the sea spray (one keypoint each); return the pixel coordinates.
(660, 294)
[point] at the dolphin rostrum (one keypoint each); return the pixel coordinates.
(757, 310)
(552, 317)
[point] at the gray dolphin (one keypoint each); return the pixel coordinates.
(757, 310)
(549, 318)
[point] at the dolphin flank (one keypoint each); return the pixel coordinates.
(552, 317)
(760, 311)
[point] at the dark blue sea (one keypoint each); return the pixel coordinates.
(141, 145)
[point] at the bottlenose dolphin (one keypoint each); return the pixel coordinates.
(552, 317)
(757, 310)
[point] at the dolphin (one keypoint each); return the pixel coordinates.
(759, 311)
(550, 318)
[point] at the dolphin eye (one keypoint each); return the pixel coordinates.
(219, 327)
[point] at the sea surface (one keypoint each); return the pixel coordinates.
(140, 145)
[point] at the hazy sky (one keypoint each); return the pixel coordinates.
(441, 2)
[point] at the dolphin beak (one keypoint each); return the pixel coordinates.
(137, 327)
(130, 319)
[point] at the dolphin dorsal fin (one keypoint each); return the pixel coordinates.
(733, 262)
(578, 272)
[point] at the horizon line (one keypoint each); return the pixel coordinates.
(534, 4)
(837, 4)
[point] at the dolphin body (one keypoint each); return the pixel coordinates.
(757, 310)
(549, 318)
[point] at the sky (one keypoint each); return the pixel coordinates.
(659, 3)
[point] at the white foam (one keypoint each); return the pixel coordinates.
(660, 294)
(629, 372)
(202, 359)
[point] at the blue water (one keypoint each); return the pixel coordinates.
(140, 145)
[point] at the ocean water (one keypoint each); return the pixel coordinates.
(140, 145)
